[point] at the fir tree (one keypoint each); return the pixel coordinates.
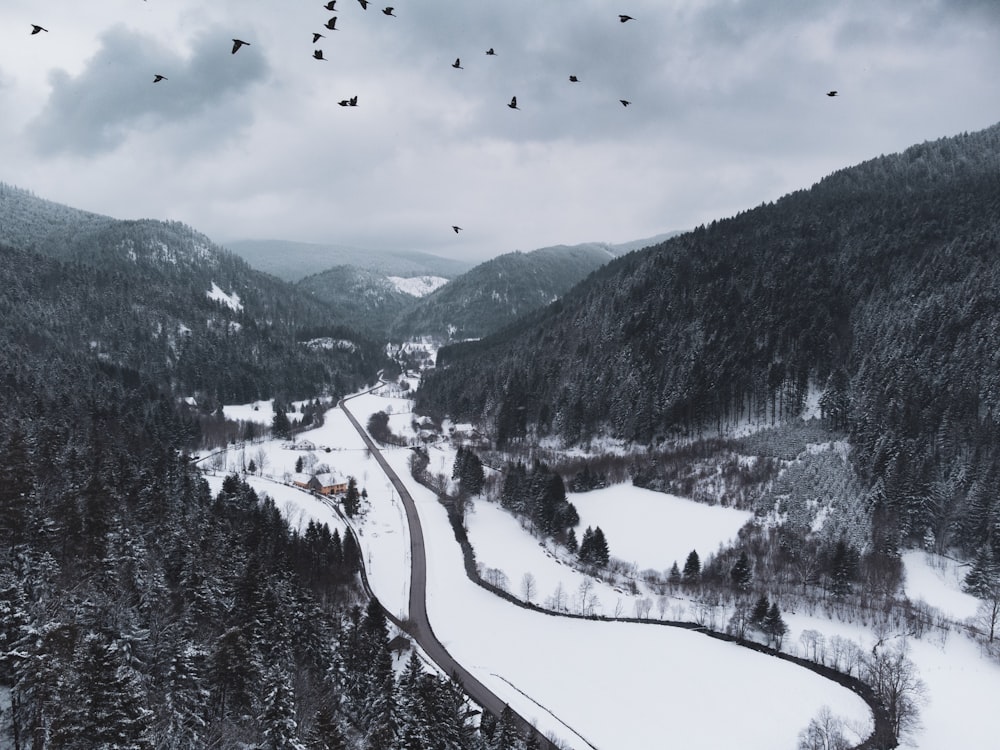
(278, 724)
(674, 576)
(760, 610)
(774, 626)
(352, 500)
(984, 575)
(692, 569)
(741, 574)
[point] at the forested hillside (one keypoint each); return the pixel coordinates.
(497, 292)
(161, 299)
(366, 300)
(878, 287)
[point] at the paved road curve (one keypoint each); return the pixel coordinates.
(419, 627)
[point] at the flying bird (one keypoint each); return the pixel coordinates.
(458, 63)
(387, 11)
(364, 4)
(457, 229)
(490, 51)
(332, 5)
(574, 79)
(157, 78)
(353, 101)
(623, 18)
(318, 54)
(831, 93)
(625, 102)
(316, 37)
(237, 43)
(332, 24)
(35, 28)
(513, 102)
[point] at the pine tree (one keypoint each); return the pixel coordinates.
(326, 732)
(843, 568)
(352, 500)
(103, 704)
(984, 574)
(186, 698)
(586, 551)
(760, 610)
(599, 548)
(571, 543)
(774, 626)
(674, 576)
(505, 736)
(414, 732)
(741, 574)
(692, 569)
(277, 720)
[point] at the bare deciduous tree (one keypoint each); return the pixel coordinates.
(642, 607)
(586, 586)
(528, 587)
(893, 677)
(825, 732)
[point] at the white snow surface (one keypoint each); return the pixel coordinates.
(937, 581)
(231, 301)
(654, 529)
(417, 286)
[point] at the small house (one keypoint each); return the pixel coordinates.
(331, 484)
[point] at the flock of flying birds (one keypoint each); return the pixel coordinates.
(331, 25)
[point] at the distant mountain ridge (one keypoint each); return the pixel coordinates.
(294, 261)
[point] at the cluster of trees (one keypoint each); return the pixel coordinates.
(468, 471)
(593, 548)
(539, 495)
(877, 287)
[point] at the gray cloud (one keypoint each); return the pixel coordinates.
(94, 112)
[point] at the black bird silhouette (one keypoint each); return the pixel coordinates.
(364, 4)
(353, 101)
(35, 28)
(458, 63)
(332, 5)
(157, 78)
(513, 102)
(574, 79)
(318, 54)
(316, 37)
(388, 10)
(623, 18)
(625, 102)
(344, 103)
(831, 93)
(457, 229)
(490, 51)
(332, 24)
(237, 43)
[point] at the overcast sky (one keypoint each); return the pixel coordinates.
(728, 110)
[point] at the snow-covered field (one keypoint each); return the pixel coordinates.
(622, 685)
(653, 529)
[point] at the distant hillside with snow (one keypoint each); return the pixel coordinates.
(417, 286)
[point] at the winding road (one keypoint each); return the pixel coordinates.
(418, 625)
